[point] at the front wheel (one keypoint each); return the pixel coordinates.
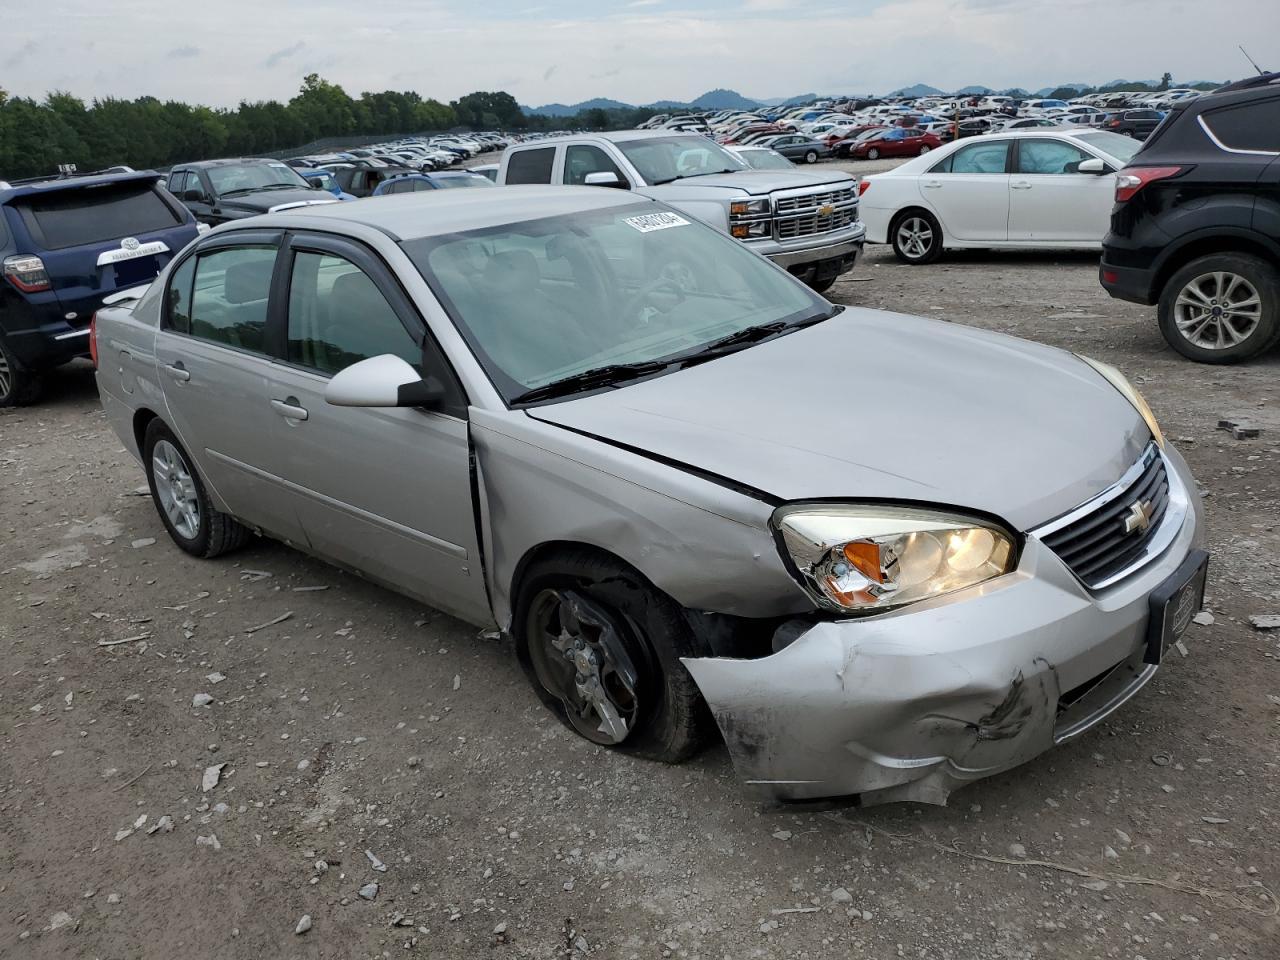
(1223, 308)
(916, 237)
(19, 387)
(811, 156)
(925, 149)
(873, 154)
(602, 647)
(193, 522)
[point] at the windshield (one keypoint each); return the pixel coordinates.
(1121, 147)
(663, 159)
(767, 160)
(468, 181)
(551, 299)
(242, 177)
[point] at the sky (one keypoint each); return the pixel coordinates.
(637, 51)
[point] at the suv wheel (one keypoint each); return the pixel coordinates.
(1223, 308)
(18, 385)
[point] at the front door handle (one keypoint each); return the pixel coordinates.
(177, 371)
(932, 184)
(290, 409)
(1021, 184)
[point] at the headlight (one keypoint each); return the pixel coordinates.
(868, 558)
(1130, 393)
(749, 208)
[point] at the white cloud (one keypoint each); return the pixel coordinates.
(633, 53)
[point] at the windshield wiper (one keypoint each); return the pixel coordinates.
(591, 379)
(690, 176)
(751, 335)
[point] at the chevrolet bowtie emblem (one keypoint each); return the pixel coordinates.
(826, 210)
(1138, 519)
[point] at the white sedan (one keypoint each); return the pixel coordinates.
(1045, 188)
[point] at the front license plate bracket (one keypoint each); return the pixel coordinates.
(1174, 603)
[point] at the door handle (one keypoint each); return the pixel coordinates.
(1021, 184)
(932, 184)
(290, 409)
(177, 371)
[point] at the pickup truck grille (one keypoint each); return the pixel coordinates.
(1107, 539)
(812, 214)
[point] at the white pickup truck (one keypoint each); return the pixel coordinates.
(806, 222)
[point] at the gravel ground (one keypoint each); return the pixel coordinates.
(365, 726)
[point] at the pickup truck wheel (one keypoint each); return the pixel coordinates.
(1223, 308)
(811, 156)
(19, 386)
(873, 154)
(602, 649)
(822, 286)
(181, 499)
(916, 237)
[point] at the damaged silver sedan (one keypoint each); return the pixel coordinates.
(885, 556)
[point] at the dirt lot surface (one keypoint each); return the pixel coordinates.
(365, 726)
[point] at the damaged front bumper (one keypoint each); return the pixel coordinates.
(913, 704)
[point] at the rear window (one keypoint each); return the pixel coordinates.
(1251, 126)
(69, 218)
(531, 166)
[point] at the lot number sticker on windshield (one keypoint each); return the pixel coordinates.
(649, 222)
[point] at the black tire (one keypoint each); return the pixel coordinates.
(873, 154)
(670, 721)
(822, 286)
(811, 156)
(216, 533)
(19, 387)
(925, 149)
(1175, 308)
(908, 251)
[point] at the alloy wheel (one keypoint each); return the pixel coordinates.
(176, 489)
(1217, 310)
(915, 237)
(578, 654)
(6, 376)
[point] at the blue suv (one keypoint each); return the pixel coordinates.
(66, 243)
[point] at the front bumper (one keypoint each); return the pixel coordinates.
(913, 704)
(846, 248)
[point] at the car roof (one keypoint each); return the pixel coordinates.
(615, 136)
(225, 162)
(42, 185)
(431, 213)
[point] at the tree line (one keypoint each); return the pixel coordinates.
(37, 136)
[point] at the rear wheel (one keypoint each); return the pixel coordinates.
(602, 649)
(811, 156)
(181, 499)
(18, 385)
(916, 237)
(1223, 308)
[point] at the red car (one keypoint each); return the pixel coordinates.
(897, 142)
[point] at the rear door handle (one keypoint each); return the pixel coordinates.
(290, 409)
(1021, 184)
(177, 371)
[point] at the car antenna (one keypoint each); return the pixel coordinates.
(1261, 72)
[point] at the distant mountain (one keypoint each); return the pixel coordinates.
(917, 90)
(1045, 91)
(568, 110)
(724, 100)
(975, 89)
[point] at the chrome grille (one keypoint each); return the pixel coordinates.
(810, 214)
(1102, 540)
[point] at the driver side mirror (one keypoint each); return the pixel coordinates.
(193, 196)
(606, 178)
(1093, 165)
(383, 381)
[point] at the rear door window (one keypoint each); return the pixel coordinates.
(77, 216)
(1249, 126)
(531, 166)
(984, 157)
(229, 296)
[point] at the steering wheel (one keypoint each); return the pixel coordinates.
(675, 280)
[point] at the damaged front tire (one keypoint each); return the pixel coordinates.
(602, 648)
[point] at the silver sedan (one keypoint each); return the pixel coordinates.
(885, 556)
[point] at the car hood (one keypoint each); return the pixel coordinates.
(881, 406)
(760, 181)
(264, 200)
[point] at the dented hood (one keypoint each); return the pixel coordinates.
(873, 405)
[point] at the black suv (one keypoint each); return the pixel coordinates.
(1138, 124)
(1196, 225)
(217, 191)
(67, 243)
